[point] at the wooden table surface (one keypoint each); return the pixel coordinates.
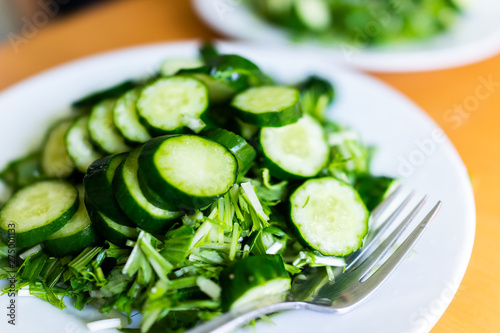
(457, 99)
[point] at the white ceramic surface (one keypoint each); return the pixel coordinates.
(412, 300)
(475, 37)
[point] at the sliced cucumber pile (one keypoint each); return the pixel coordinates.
(200, 190)
(329, 216)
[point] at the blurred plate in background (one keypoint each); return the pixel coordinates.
(475, 37)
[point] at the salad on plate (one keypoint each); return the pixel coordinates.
(186, 194)
(369, 22)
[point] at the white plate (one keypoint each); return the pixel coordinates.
(420, 290)
(475, 37)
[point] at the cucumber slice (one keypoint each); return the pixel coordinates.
(55, 160)
(126, 118)
(268, 106)
(102, 130)
(329, 216)
(76, 235)
(253, 278)
(37, 211)
(99, 188)
(295, 151)
(133, 202)
(171, 66)
(244, 152)
(186, 171)
(78, 145)
(115, 233)
(169, 104)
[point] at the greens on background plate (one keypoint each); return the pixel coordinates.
(369, 22)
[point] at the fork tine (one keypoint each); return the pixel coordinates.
(374, 235)
(397, 257)
(385, 203)
(379, 231)
(367, 265)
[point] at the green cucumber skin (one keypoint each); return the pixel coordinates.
(244, 152)
(99, 190)
(152, 196)
(155, 131)
(250, 272)
(72, 244)
(274, 169)
(237, 72)
(35, 236)
(152, 183)
(103, 228)
(298, 235)
(271, 119)
(133, 210)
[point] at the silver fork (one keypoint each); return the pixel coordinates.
(313, 290)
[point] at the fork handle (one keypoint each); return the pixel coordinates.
(232, 320)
